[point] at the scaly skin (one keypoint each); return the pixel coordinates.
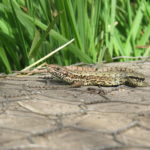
(113, 76)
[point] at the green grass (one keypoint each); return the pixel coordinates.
(102, 29)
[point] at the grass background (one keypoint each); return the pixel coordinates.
(102, 29)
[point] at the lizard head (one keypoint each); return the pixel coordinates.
(135, 79)
(57, 71)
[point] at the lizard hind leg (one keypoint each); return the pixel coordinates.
(76, 84)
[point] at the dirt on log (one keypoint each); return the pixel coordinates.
(40, 114)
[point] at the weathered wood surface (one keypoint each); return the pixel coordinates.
(57, 119)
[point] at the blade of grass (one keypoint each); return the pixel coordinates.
(20, 32)
(70, 11)
(134, 29)
(112, 26)
(33, 49)
(47, 56)
(5, 60)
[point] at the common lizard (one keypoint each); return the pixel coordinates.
(113, 76)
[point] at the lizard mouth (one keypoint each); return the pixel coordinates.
(137, 78)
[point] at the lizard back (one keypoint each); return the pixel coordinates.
(110, 77)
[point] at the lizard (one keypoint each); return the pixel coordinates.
(108, 77)
(113, 76)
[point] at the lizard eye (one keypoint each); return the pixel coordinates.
(136, 78)
(57, 69)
